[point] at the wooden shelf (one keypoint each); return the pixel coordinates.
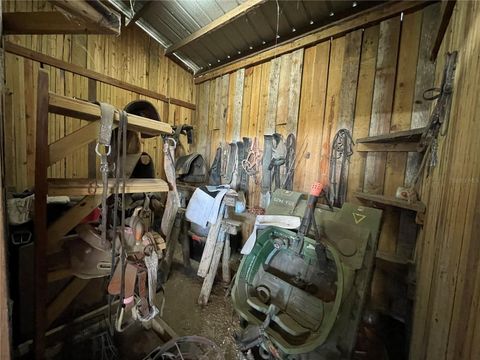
(407, 136)
(401, 146)
(84, 110)
(417, 206)
(84, 187)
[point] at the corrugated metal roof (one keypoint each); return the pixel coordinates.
(269, 23)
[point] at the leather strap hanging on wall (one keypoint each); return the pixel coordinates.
(290, 162)
(342, 149)
(215, 170)
(278, 159)
(243, 173)
(266, 171)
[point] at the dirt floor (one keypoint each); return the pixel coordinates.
(216, 321)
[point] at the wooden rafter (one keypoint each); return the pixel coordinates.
(47, 22)
(64, 299)
(215, 24)
(140, 12)
(93, 12)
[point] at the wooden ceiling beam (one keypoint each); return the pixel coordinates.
(338, 28)
(80, 70)
(140, 12)
(47, 22)
(93, 12)
(216, 24)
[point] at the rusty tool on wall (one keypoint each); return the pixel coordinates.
(437, 125)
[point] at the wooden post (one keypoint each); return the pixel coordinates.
(40, 220)
(212, 271)
(4, 323)
(92, 157)
(226, 260)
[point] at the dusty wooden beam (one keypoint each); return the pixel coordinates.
(69, 220)
(84, 187)
(40, 219)
(215, 24)
(84, 110)
(5, 329)
(442, 28)
(79, 70)
(64, 299)
(375, 147)
(417, 206)
(93, 12)
(140, 12)
(61, 274)
(336, 29)
(72, 142)
(46, 22)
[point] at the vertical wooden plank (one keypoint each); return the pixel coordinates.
(404, 94)
(271, 118)
(311, 116)
(382, 101)
(59, 89)
(30, 108)
(396, 221)
(9, 130)
(247, 97)
(424, 80)
(5, 336)
(92, 158)
(254, 101)
(283, 89)
(363, 108)
(212, 111)
(41, 188)
(217, 104)
(223, 107)
(337, 53)
(230, 107)
(253, 198)
(238, 104)
(201, 123)
(294, 93)
(20, 125)
(348, 90)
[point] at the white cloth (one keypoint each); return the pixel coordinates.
(263, 221)
(203, 208)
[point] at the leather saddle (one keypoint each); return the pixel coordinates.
(191, 169)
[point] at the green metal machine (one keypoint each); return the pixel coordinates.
(296, 305)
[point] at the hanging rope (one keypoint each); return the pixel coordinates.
(252, 162)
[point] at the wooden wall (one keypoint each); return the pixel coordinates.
(369, 81)
(132, 57)
(447, 315)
